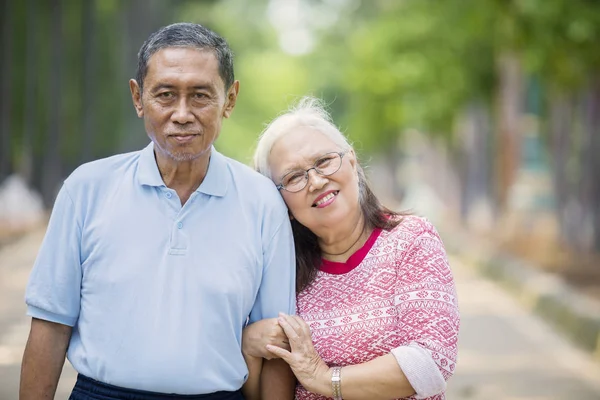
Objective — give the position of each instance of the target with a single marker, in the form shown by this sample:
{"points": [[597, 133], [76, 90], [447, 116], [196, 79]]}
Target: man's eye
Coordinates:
{"points": [[165, 95]]}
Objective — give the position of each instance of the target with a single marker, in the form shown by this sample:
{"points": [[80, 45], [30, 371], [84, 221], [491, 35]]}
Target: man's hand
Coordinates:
{"points": [[258, 335], [43, 359]]}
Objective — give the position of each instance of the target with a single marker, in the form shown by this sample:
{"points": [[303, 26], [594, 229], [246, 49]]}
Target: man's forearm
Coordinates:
{"points": [[43, 360], [277, 380], [251, 388]]}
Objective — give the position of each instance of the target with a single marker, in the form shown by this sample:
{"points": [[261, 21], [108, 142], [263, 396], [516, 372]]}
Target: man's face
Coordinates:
{"points": [[183, 102]]}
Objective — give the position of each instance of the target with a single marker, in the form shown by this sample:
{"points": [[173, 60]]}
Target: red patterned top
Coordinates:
{"points": [[395, 292]]}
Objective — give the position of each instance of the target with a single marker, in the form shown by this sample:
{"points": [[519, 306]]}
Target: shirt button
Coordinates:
{"points": [[180, 225], [168, 194]]}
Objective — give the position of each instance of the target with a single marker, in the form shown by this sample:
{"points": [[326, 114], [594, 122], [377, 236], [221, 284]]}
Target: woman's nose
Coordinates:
{"points": [[315, 180]]}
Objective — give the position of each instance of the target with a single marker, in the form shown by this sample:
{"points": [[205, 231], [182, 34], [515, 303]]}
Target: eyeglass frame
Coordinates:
{"points": [[306, 171]]}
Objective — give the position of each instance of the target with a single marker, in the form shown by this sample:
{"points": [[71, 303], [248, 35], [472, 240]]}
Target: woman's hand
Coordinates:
{"points": [[307, 365], [258, 335]]}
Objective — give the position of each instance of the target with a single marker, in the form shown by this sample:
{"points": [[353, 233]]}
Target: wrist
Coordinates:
{"points": [[248, 339], [250, 357], [322, 384], [244, 343], [251, 360], [336, 383]]}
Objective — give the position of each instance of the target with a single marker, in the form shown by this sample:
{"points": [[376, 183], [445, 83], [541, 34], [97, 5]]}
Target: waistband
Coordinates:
{"points": [[88, 388]]}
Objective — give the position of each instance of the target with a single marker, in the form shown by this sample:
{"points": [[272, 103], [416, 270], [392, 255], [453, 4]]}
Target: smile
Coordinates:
{"points": [[325, 200]]}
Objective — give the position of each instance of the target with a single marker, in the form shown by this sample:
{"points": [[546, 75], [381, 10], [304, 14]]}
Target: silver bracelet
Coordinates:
{"points": [[336, 383]]}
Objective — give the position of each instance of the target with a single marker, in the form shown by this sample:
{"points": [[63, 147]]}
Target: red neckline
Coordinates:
{"points": [[339, 268]]}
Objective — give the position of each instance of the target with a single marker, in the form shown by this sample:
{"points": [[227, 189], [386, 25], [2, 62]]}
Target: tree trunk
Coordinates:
{"points": [[88, 95], [510, 103], [31, 56], [6, 86], [591, 178], [52, 162], [475, 161], [561, 122]]}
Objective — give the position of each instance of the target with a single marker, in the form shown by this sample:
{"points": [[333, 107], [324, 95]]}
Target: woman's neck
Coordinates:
{"points": [[341, 244]]}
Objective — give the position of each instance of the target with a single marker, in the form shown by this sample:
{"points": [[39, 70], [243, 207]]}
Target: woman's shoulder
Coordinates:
{"points": [[410, 229], [412, 224]]}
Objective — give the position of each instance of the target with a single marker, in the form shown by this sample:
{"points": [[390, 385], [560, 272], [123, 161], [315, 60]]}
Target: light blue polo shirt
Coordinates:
{"points": [[158, 293]]}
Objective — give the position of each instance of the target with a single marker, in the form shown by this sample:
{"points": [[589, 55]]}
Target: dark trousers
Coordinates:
{"points": [[90, 389]]}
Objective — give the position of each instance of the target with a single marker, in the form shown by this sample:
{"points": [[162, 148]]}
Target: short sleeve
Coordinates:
{"points": [[54, 287], [277, 291], [425, 299]]}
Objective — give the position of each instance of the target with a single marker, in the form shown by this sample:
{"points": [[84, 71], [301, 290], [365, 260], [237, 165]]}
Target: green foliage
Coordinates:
{"points": [[382, 65]]}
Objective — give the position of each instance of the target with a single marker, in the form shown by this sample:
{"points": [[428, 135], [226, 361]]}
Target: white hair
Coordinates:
{"points": [[308, 112]]}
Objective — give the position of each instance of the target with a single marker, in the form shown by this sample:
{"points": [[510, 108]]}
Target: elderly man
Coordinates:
{"points": [[155, 260]]}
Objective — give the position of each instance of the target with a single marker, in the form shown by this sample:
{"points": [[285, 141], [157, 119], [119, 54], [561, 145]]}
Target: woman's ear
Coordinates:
{"points": [[352, 159]]}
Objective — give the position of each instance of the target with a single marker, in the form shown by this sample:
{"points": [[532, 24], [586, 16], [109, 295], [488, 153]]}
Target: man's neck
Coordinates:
{"points": [[183, 176]]}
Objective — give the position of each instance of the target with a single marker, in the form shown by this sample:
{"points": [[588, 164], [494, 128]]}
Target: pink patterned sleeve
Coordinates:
{"points": [[428, 317]]}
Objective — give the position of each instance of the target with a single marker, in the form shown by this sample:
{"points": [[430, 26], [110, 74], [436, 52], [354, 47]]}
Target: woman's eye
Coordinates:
{"points": [[294, 178], [322, 162]]}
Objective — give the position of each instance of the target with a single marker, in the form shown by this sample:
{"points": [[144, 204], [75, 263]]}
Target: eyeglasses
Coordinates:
{"points": [[325, 165]]}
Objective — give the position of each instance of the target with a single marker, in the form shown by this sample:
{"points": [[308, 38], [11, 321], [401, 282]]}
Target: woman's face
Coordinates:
{"points": [[325, 201]]}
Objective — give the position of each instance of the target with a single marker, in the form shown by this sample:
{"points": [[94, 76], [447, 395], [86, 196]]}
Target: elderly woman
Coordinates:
{"points": [[377, 315]]}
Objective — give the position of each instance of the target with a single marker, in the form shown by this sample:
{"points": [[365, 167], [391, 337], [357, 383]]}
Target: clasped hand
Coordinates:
{"points": [[287, 337], [310, 370], [258, 335]]}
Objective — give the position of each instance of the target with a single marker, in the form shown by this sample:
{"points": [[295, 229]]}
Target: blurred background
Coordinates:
{"points": [[482, 115]]}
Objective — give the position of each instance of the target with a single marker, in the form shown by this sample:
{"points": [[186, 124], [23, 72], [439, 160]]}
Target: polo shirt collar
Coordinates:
{"points": [[215, 182], [217, 177], [148, 173]]}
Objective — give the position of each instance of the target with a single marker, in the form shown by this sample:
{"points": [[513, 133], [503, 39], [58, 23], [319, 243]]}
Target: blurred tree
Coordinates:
{"points": [[6, 105], [54, 93], [457, 70], [25, 167], [89, 87]]}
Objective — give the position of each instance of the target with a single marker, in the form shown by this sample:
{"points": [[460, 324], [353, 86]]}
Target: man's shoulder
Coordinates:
{"points": [[102, 170], [249, 176], [257, 188]]}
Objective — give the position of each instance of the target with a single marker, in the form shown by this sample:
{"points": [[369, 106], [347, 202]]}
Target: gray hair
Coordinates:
{"points": [[184, 34], [308, 112]]}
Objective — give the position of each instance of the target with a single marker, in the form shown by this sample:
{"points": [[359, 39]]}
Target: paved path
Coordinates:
{"points": [[16, 261], [505, 353]]}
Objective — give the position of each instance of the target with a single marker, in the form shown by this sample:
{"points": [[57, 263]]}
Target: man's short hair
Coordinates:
{"points": [[184, 34]]}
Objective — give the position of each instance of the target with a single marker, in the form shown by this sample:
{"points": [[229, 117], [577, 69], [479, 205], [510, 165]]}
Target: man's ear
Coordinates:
{"points": [[136, 96], [232, 95]]}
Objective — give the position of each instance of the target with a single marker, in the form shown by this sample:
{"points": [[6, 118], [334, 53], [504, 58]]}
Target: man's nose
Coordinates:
{"points": [[182, 113], [315, 180]]}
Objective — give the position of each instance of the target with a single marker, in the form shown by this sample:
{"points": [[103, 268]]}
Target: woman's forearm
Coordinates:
{"points": [[380, 378]]}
